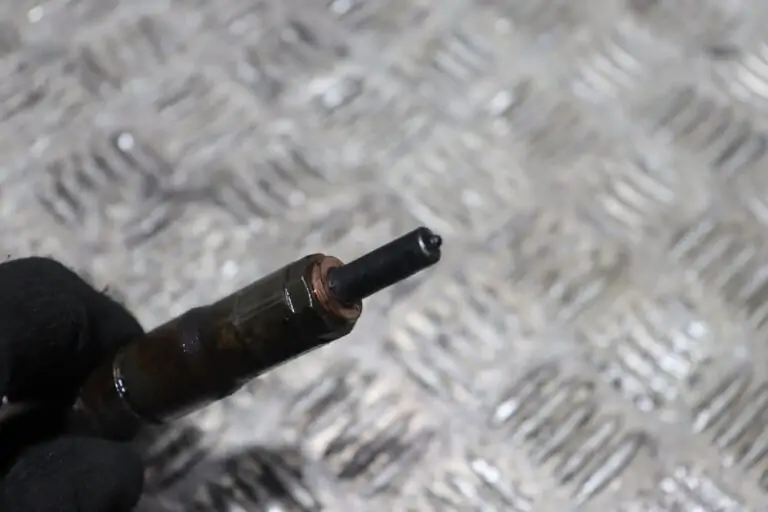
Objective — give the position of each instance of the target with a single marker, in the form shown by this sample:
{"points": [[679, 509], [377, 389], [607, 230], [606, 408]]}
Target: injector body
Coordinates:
{"points": [[211, 351]]}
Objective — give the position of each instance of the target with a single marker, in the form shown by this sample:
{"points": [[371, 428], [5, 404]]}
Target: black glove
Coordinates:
{"points": [[54, 329]]}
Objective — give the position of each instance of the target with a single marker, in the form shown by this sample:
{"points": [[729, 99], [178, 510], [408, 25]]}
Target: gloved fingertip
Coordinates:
{"points": [[74, 475], [54, 328]]}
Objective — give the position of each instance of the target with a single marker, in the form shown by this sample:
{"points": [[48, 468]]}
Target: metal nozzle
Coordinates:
{"points": [[385, 266], [209, 352]]}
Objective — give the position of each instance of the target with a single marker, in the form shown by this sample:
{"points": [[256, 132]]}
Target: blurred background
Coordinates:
{"points": [[595, 337]]}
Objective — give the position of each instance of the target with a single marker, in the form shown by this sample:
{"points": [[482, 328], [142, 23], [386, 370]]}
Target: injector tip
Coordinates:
{"points": [[429, 242], [434, 242], [385, 266]]}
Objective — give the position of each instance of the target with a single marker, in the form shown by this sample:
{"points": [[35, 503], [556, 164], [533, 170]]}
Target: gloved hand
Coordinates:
{"points": [[54, 328]]}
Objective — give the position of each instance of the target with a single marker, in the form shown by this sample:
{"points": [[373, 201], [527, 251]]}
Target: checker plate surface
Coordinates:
{"points": [[595, 338]]}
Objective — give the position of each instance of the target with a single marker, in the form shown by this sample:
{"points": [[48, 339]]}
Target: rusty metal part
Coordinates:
{"points": [[210, 352]]}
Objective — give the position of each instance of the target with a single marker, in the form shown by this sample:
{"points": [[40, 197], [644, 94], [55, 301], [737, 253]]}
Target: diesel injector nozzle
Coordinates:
{"points": [[210, 352]]}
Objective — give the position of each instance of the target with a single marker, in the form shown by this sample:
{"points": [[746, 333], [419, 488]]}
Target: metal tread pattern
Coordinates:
{"points": [[595, 337]]}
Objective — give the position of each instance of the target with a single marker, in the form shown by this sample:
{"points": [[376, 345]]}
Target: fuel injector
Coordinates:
{"points": [[209, 352]]}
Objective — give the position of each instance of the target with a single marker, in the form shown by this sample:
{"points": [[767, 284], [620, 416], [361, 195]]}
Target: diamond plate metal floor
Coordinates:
{"points": [[595, 339]]}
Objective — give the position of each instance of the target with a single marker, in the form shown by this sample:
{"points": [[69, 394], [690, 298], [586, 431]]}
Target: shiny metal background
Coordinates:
{"points": [[594, 339]]}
